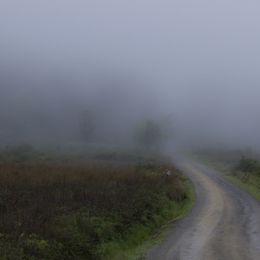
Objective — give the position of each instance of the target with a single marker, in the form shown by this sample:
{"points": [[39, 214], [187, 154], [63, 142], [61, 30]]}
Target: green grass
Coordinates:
{"points": [[246, 181], [144, 237], [252, 186]]}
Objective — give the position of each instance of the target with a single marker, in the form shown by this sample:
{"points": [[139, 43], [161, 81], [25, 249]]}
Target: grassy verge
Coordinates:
{"points": [[252, 186], [153, 234], [248, 181], [86, 209]]}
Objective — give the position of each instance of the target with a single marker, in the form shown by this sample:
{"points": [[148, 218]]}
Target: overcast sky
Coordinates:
{"points": [[201, 58]]}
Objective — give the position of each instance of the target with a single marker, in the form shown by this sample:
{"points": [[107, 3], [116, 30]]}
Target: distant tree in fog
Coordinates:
{"points": [[86, 125], [149, 134]]}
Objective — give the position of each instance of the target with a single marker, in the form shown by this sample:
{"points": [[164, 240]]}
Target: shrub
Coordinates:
{"points": [[248, 165]]}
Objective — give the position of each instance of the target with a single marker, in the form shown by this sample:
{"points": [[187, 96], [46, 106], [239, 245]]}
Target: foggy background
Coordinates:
{"points": [[194, 61]]}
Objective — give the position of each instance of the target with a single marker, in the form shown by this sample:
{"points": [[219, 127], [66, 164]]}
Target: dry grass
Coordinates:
{"points": [[58, 201]]}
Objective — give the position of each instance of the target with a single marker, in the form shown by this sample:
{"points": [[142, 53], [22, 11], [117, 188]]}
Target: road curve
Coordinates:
{"points": [[224, 223]]}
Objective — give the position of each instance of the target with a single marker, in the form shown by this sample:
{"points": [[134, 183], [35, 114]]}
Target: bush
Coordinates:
{"points": [[248, 165]]}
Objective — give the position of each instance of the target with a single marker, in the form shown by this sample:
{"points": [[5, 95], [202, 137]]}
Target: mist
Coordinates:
{"points": [[196, 62]]}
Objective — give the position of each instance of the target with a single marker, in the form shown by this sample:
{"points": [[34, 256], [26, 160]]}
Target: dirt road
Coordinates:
{"points": [[223, 225]]}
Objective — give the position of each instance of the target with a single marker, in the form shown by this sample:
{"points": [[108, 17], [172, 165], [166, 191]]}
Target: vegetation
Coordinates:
{"points": [[248, 165], [149, 134], [86, 125], [236, 167], [68, 209], [247, 174]]}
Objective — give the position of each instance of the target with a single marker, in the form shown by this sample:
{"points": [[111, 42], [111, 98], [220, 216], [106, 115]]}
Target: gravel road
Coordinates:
{"points": [[224, 224]]}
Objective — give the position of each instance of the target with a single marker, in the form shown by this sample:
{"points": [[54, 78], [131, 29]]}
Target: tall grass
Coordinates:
{"points": [[71, 210]]}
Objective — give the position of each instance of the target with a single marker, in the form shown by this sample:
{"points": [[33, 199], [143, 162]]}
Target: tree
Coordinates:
{"points": [[86, 125], [149, 134]]}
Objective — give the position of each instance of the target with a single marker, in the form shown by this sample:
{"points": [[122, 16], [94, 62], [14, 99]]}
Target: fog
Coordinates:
{"points": [[195, 62]]}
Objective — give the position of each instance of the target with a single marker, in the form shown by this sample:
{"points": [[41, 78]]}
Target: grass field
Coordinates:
{"points": [[85, 209]]}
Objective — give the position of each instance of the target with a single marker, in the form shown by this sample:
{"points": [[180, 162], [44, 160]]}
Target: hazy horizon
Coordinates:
{"points": [[194, 61]]}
